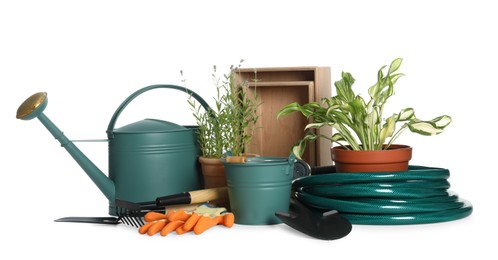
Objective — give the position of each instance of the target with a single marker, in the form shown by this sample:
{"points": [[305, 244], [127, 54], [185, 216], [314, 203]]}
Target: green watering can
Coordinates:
{"points": [[147, 159]]}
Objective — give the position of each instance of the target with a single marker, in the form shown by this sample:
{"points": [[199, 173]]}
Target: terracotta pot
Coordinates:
{"points": [[213, 172], [394, 159]]}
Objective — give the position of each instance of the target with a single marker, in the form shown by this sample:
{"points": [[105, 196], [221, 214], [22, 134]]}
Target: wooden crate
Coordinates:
{"points": [[277, 87]]}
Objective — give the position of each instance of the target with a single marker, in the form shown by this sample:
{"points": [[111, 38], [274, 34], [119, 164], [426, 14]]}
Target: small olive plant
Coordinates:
{"points": [[360, 125], [230, 124]]}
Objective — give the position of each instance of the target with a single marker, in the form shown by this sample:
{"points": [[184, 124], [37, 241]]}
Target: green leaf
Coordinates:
{"points": [[380, 73], [387, 130], [431, 127], [425, 128], [348, 137], [442, 121], [290, 108], [405, 114], [372, 118], [316, 125], [312, 105], [343, 87], [299, 147], [338, 116], [337, 137], [395, 64], [298, 150], [374, 90], [395, 77], [307, 111]]}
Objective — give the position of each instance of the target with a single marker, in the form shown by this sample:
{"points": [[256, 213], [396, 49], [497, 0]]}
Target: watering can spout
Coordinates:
{"points": [[33, 108]]}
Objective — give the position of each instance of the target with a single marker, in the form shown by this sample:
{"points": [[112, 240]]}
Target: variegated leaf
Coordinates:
{"points": [[315, 125], [372, 118], [406, 114], [290, 108], [425, 128], [298, 150], [388, 129], [442, 121], [337, 137]]}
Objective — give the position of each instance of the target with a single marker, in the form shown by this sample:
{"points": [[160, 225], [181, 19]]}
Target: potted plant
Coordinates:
{"points": [[364, 137], [228, 126]]}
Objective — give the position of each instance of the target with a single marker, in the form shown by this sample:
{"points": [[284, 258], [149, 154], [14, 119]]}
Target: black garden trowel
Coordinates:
{"points": [[325, 225]]}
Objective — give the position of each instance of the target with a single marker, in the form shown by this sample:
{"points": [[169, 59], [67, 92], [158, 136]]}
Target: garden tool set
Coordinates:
{"points": [[154, 184], [131, 213]]}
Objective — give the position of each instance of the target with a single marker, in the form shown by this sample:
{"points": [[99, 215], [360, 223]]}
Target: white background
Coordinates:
{"points": [[90, 55]]}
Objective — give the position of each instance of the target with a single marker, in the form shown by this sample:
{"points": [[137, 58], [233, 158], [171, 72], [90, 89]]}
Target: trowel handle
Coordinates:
{"points": [[125, 103], [192, 197]]}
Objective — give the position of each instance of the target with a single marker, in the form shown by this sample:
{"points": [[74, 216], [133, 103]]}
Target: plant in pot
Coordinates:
{"points": [[364, 138], [228, 126]]}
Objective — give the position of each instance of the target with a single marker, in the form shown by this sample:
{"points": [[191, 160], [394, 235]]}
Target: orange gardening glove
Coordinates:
{"points": [[176, 219], [206, 222], [155, 222], [163, 223], [181, 221], [152, 216], [205, 217], [179, 215], [189, 224], [172, 225]]}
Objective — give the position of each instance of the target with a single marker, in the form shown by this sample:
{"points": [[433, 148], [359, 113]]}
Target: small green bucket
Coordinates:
{"points": [[258, 188]]}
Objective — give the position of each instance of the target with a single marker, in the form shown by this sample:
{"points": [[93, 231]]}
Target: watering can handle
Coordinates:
{"points": [[125, 103]]}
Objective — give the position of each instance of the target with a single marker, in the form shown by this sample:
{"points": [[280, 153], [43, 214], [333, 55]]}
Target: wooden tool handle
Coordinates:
{"points": [[206, 195], [192, 197]]}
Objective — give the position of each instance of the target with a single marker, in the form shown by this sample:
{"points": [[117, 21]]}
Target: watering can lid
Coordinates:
{"points": [[150, 126]]}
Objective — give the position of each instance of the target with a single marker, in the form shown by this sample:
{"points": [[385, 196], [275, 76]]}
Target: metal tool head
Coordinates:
{"points": [[129, 213]]}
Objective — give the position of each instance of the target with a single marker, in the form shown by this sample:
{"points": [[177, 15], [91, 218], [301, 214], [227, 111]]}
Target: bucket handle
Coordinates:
{"points": [[125, 103]]}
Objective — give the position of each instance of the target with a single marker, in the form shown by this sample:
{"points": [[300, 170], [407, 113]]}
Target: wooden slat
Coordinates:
{"points": [[277, 87]]}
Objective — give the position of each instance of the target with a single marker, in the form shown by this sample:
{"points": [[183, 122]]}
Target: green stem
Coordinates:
{"points": [[396, 135]]}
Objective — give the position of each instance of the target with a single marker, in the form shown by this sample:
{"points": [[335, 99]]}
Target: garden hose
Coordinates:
{"points": [[419, 195]]}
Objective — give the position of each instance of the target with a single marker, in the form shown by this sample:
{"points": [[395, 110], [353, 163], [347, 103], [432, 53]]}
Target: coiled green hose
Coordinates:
{"points": [[417, 196]]}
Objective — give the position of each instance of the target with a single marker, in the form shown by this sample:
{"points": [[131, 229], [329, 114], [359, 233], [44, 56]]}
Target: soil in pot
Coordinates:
{"points": [[394, 159]]}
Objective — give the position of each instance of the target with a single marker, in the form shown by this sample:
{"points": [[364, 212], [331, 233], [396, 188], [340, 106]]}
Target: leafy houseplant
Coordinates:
{"points": [[228, 126], [360, 125]]}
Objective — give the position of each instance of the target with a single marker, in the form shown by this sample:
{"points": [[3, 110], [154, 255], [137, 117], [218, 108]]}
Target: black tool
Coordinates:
{"points": [[94, 220], [128, 213], [192, 197], [131, 213], [325, 225]]}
